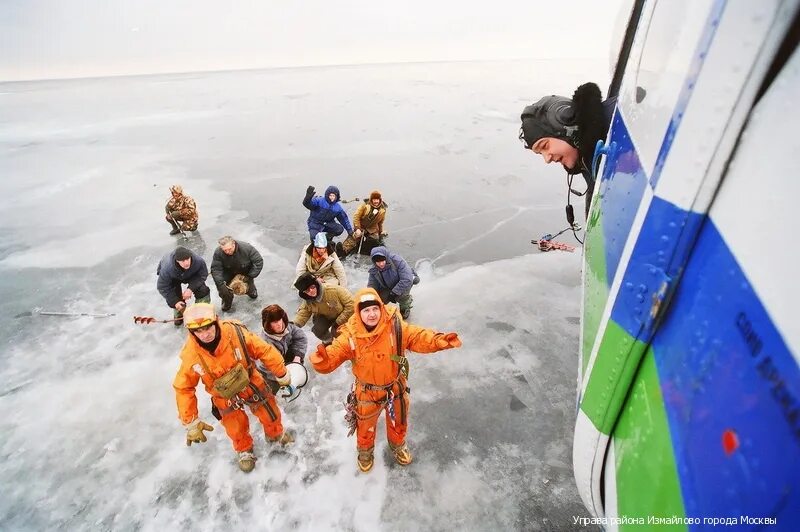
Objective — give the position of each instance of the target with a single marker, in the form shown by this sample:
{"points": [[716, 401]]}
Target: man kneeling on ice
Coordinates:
{"points": [[181, 211], [221, 353], [374, 339]]}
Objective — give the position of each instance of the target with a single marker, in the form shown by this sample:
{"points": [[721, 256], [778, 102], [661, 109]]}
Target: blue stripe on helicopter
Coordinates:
{"points": [[731, 390], [623, 189]]}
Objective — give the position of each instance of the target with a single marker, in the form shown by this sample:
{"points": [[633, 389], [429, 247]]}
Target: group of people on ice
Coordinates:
{"points": [[243, 371]]}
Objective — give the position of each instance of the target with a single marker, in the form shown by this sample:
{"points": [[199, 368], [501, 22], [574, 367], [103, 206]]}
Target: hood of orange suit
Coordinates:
{"points": [[357, 327]]}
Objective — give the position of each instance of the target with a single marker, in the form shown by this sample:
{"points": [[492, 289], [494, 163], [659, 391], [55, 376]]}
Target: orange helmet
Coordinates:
{"points": [[199, 315]]}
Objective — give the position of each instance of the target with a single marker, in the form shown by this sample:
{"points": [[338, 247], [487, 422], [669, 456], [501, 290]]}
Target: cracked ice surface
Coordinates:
{"points": [[89, 437]]}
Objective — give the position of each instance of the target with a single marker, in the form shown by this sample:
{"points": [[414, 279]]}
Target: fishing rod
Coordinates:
{"points": [[177, 225], [64, 314]]}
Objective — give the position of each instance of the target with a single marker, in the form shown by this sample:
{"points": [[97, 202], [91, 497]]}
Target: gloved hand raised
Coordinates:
{"points": [[447, 341], [320, 355], [310, 190], [194, 432]]}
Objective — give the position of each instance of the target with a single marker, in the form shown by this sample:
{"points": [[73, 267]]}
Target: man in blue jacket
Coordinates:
{"points": [[392, 278], [324, 210], [182, 267]]}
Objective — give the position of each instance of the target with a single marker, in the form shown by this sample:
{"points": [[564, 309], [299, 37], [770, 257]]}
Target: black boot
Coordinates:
{"points": [[226, 303], [175, 228], [252, 292]]}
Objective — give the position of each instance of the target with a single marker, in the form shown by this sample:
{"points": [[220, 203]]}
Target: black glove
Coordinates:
{"points": [[310, 191], [392, 297], [225, 292]]}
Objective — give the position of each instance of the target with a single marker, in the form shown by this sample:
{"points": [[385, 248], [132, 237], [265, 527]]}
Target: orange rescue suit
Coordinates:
{"points": [[227, 354], [372, 366]]}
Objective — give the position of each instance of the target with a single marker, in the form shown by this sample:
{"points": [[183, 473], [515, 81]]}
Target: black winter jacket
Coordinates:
{"points": [[245, 260]]}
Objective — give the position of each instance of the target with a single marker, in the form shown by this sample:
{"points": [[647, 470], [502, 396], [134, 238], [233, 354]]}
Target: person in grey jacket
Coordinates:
{"points": [[289, 339], [392, 278], [284, 335], [233, 258]]}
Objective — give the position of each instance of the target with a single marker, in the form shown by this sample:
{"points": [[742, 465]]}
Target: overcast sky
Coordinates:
{"points": [[41, 39]]}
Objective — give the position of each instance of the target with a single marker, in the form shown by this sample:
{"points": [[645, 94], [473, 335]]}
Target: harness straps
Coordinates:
{"points": [[259, 396], [399, 357], [243, 344], [402, 363]]}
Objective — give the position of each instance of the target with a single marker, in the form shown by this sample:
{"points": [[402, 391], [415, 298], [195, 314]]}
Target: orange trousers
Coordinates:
{"points": [[368, 414], [237, 425]]}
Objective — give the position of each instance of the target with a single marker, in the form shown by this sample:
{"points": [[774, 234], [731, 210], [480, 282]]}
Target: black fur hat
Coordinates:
{"points": [[304, 281], [588, 103]]}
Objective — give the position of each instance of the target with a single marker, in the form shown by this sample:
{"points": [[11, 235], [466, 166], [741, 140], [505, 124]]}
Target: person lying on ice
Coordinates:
{"points": [[181, 211], [374, 340], [221, 353], [368, 222], [325, 211], [178, 267], [330, 306]]}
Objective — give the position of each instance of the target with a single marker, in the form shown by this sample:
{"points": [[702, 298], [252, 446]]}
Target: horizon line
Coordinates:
{"points": [[292, 67]]}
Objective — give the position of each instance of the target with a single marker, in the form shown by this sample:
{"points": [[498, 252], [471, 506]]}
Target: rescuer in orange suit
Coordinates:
{"points": [[369, 340], [222, 354]]}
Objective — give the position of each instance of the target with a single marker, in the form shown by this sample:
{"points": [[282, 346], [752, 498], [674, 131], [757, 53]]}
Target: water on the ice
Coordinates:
{"points": [[89, 436]]}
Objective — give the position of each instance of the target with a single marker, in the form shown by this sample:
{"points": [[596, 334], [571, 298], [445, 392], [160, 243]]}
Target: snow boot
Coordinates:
{"points": [[226, 303], [175, 229], [247, 460], [401, 454], [366, 459], [252, 292], [284, 439]]}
